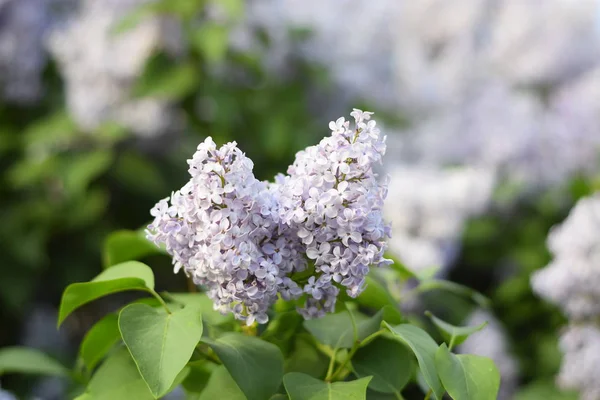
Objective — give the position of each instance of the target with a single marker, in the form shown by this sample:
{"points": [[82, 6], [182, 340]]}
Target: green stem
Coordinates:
{"points": [[398, 395], [329, 376], [354, 326], [160, 300], [208, 353], [451, 344], [428, 395], [372, 336], [357, 345]]}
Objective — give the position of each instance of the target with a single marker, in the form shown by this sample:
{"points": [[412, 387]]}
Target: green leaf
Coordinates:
{"points": [[83, 168], [131, 275], [375, 295], [466, 376], [29, 361], [280, 396], [454, 335], [125, 245], [222, 386], [255, 365], [50, 133], [304, 387], [163, 79], [161, 344], [389, 363], [336, 330], [306, 358], [402, 271], [453, 287], [199, 375], [99, 340], [139, 174], [424, 348], [211, 40], [201, 300], [117, 379]]}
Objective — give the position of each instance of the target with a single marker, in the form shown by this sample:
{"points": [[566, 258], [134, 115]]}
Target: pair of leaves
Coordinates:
{"points": [[465, 377]]}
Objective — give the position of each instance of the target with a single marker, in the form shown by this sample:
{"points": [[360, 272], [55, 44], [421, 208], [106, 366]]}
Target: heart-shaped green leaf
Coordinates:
{"points": [[160, 343], [255, 365], [424, 348], [454, 334], [125, 245], [29, 361], [389, 362], [130, 275], [99, 340], [467, 377], [304, 387], [337, 330]]}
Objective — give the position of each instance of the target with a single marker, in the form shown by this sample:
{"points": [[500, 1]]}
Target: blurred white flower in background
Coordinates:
{"points": [[354, 39], [543, 42], [572, 280], [100, 65], [429, 207], [581, 361], [492, 342]]}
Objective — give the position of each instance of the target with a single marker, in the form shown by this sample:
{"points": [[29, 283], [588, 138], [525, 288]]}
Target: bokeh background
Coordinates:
{"points": [[491, 107]]}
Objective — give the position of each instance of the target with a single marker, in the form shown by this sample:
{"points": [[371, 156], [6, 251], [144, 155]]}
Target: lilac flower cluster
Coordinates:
{"points": [[247, 241], [334, 200]]}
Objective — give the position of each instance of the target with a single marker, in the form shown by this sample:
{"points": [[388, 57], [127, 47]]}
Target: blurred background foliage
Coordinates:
{"points": [[65, 186]]}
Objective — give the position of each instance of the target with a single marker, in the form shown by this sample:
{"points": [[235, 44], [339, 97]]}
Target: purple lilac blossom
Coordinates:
{"points": [[244, 239], [221, 229], [332, 197]]}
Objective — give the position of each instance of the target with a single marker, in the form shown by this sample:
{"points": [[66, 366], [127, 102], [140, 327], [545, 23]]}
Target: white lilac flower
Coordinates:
{"points": [[429, 208], [22, 55], [334, 201], [222, 228], [244, 239], [492, 342], [572, 280], [100, 66], [581, 360]]}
